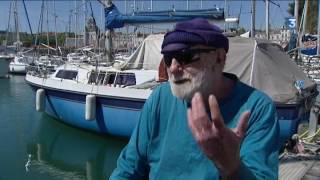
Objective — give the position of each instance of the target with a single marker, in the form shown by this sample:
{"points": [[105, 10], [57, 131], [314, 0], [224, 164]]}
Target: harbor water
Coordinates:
{"points": [[36, 146]]}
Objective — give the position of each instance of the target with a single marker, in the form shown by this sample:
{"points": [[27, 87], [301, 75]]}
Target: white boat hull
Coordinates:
{"points": [[117, 109], [17, 68]]}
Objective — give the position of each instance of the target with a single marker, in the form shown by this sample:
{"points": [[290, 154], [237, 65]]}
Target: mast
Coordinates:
{"points": [[318, 39], [16, 21], [84, 23], [225, 14], [187, 4], [69, 23], [267, 19], [47, 10], [55, 23], [39, 33], [253, 18], [109, 38], [296, 16], [305, 17], [75, 24], [125, 7], [8, 28]]}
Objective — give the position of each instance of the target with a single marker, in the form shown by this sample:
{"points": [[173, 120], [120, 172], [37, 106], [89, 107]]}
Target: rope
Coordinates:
{"points": [[312, 136]]}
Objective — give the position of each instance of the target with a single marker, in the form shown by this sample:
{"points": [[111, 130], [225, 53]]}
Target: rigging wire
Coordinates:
{"points": [[281, 10]]}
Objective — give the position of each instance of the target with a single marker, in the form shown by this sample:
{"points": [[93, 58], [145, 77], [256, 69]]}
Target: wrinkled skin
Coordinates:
{"points": [[219, 143]]}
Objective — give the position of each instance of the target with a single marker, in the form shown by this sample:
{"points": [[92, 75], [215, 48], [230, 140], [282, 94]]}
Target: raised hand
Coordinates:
{"points": [[219, 143]]}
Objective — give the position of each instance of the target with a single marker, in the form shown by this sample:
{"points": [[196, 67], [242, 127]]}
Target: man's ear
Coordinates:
{"points": [[221, 56]]}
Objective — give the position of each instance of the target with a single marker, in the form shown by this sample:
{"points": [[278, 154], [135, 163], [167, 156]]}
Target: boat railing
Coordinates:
{"points": [[42, 71]]}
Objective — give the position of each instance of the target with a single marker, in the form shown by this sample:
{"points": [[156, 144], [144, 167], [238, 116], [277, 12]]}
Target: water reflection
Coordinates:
{"points": [[63, 151]]}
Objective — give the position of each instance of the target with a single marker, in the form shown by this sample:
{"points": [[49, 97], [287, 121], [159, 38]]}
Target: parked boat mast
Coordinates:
{"points": [[55, 23], [47, 11], [8, 28], [16, 20], [84, 3], [253, 18], [318, 39], [267, 19], [75, 24], [296, 16]]}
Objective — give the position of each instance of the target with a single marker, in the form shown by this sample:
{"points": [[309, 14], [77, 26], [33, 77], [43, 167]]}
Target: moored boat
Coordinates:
{"points": [[105, 101], [19, 64], [98, 98]]}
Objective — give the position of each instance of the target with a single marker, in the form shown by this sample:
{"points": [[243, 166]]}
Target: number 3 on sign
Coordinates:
{"points": [[292, 23]]}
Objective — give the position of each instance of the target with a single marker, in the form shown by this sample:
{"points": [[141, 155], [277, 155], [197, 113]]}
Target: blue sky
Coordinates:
{"points": [[63, 7]]}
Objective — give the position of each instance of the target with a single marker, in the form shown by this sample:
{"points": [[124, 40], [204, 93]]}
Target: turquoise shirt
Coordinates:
{"points": [[162, 146]]}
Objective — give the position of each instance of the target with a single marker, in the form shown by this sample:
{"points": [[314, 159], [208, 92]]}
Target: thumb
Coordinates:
{"points": [[243, 124]]}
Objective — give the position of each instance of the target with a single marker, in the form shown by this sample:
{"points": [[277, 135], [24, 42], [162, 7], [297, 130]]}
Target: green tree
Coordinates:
{"points": [[61, 39], [2, 38], [27, 41], [312, 16]]}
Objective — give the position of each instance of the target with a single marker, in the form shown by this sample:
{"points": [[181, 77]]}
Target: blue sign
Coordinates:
{"points": [[290, 23], [299, 84]]}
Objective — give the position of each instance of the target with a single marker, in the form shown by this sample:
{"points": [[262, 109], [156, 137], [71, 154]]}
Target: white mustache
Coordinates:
{"points": [[181, 78]]}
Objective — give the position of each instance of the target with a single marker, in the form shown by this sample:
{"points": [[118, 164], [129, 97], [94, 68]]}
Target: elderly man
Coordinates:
{"points": [[204, 123]]}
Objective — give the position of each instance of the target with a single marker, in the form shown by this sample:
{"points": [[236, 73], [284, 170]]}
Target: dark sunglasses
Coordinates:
{"points": [[184, 57]]}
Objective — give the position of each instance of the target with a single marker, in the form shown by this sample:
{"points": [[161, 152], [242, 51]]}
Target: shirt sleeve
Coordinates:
{"points": [[133, 161], [259, 150]]}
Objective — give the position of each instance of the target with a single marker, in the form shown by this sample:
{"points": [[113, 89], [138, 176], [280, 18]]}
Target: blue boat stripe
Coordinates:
{"points": [[104, 101]]}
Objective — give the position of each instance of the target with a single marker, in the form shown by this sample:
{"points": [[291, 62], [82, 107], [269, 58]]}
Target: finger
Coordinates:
{"points": [[215, 112], [243, 124], [199, 120], [198, 107], [191, 123]]}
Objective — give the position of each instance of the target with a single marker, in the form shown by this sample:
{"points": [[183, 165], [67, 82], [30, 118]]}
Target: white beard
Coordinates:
{"points": [[202, 81]]}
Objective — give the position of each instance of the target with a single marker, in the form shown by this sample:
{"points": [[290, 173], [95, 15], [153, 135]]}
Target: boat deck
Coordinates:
{"points": [[301, 160], [300, 167]]}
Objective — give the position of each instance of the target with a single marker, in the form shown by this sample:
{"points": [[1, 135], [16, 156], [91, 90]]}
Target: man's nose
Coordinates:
{"points": [[175, 66]]}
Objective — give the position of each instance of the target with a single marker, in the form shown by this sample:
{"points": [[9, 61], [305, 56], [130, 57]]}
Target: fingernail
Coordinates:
{"points": [[211, 97], [197, 95]]}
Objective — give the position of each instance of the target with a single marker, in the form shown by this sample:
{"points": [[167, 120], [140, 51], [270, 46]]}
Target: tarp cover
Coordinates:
{"points": [[263, 65], [147, 56], [259, 63]]}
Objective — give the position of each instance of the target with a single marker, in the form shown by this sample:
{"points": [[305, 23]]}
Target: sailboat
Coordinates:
{"points": [[20, 60]]}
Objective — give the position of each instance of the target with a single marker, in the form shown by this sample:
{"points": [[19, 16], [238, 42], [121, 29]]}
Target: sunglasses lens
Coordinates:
{"points": [[167, 59], [185, 57], [182, 58]]}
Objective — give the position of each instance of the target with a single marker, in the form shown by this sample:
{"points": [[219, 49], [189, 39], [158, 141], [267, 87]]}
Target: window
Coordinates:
{"points": [[92, 77], [67, 74], [125, 79], [96, 78], [101, 76], [110, 77]]}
